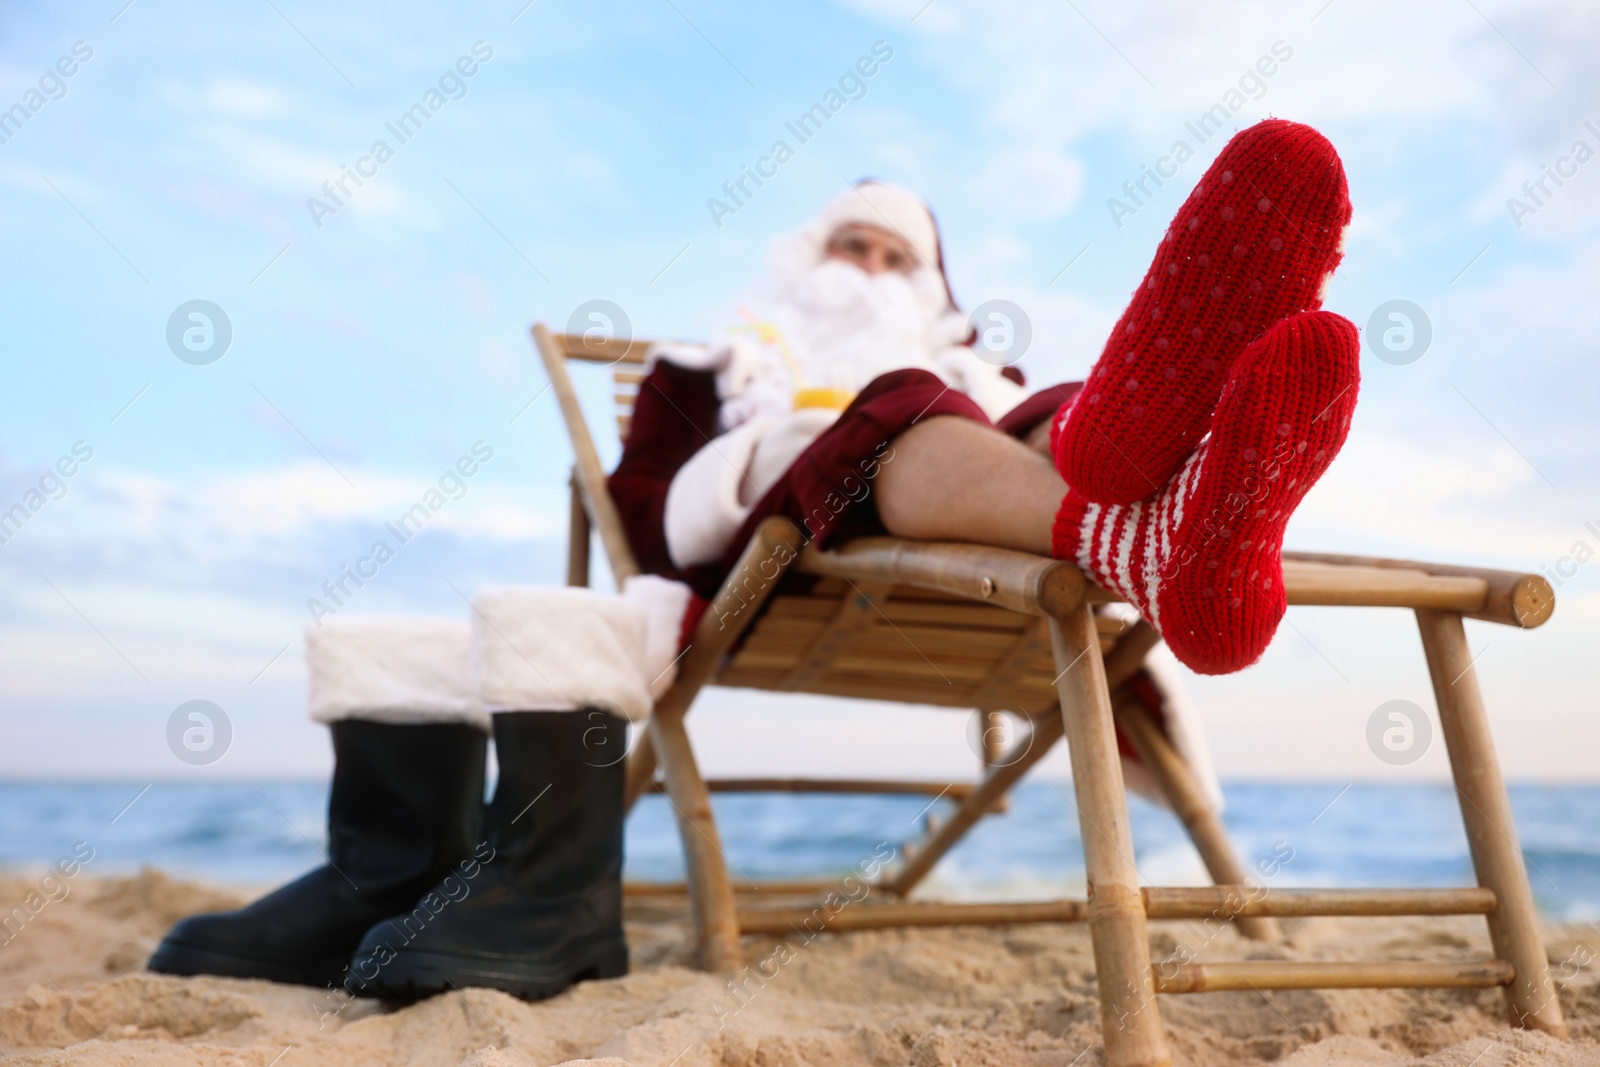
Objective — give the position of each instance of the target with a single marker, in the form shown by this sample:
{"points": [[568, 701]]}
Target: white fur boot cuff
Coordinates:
{"points": [[558, 649], [395, 669]]}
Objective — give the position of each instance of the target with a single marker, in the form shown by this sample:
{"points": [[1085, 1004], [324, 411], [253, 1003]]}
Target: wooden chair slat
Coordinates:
{"points": [[904, 594], [802, 607], [1028, 653], [603, 351], [906, 690], [854, 614], [985, 646], [1013, 665], [963, 617], [869, 686], [903, 608], [791, 630], [878, 665], [884, 642]]}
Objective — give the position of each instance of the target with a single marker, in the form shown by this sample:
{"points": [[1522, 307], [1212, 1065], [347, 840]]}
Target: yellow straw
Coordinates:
{"points": [[769, 334]]}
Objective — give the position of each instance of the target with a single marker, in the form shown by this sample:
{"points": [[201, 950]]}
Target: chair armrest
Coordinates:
{"points": [[1020, 581], [1036, 585], [1512, 598]]}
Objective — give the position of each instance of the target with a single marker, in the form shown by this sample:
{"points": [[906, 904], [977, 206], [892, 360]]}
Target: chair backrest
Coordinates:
{"points": [[626, 360]]}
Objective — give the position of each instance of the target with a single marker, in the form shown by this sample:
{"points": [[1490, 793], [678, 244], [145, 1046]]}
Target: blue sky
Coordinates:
{"points": [[369, 353]]}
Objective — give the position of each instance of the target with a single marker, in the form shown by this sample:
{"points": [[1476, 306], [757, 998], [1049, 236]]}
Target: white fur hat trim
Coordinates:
{"points": [[886, 207], [396, 669]]}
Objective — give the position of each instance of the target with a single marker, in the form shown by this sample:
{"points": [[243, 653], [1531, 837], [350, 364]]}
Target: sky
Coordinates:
{"points": [[376, 334]]}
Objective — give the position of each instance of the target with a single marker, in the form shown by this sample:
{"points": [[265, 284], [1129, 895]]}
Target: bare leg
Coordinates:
{"points": [[952, 479], [1039, 438]]}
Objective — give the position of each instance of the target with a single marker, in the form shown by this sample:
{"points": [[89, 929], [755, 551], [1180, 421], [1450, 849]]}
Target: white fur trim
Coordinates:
{"points": [[781, 444], [664, 603], [540, 648], [395, 669], [687, 354], [712, 494], [887, 207], [703, 511]]}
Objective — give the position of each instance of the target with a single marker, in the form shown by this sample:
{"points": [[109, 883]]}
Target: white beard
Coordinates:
{"points": [[840, 328], [845, 327], [809, 323]]}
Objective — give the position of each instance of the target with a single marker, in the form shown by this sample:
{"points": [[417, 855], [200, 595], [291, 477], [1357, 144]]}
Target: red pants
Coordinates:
{"points": [[826, 492]]}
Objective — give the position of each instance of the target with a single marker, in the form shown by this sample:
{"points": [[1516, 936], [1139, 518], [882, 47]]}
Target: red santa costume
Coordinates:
{"points": [[718, 444], [718, 441], [1223, 394]]}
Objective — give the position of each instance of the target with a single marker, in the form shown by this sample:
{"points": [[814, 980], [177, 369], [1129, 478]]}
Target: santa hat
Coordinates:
{"points": [[884, 206], [877, 203]]}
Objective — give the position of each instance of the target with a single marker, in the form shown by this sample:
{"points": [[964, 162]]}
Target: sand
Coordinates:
{"points": [[73, 990]]}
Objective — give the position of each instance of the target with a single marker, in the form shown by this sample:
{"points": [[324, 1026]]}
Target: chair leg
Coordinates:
{"points": [[1491, 833], [991, 739], [1173, 775], [770, 552], [577, 535], [711, 901], [1130, 1023]]}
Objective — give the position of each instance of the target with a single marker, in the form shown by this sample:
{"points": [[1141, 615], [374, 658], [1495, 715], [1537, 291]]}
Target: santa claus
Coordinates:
{"points": [[857, 294], [845, 397]]}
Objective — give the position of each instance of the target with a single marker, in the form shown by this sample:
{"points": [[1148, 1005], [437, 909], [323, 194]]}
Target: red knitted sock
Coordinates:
{"points": [[1202, 559], [1250, 246]]}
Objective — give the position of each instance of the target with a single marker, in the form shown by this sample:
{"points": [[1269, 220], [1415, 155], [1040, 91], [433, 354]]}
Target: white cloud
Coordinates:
{"points": [[134, 592], [223, 533], [246, 511], [265, 160], [1448, 499], [233, 96], [1036, 182]]}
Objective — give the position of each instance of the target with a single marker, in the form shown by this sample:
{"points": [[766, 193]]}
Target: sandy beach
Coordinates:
{"points": [[73, 990]]}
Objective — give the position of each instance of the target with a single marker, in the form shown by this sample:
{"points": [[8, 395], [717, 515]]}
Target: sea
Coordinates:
{"points": [[1327, 834]]}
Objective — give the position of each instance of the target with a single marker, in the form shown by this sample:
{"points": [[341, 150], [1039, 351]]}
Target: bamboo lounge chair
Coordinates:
{"points": [[984, 628]]}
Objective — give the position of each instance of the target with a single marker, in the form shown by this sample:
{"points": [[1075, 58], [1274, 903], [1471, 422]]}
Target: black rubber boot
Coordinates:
{"points": [[405, 809], [545, 910]]}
